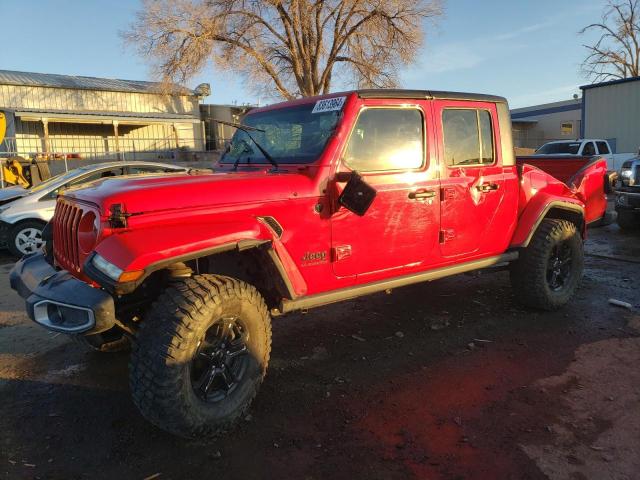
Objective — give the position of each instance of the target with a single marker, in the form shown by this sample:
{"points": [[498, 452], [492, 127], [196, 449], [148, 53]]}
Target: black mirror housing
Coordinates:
{"points": [[357, 195]]}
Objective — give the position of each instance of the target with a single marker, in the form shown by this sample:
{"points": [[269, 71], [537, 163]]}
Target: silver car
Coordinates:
{"points": [[24, 213]]}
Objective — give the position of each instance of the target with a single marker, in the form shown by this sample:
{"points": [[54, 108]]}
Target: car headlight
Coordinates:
{"points": [[109, 269], [625, 176], [622, 200]]}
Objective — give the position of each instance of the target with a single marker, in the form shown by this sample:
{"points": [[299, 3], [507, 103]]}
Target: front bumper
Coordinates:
{"points": [[4, 233], [58, 301], [628, 201]]}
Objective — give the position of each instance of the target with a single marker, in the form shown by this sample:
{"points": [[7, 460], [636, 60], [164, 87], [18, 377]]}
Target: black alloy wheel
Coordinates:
{"points": [[220, 361], [559, 267]]}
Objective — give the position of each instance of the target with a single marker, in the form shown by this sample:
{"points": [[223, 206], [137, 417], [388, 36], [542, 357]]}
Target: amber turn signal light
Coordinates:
{"points": [[131, 276]]}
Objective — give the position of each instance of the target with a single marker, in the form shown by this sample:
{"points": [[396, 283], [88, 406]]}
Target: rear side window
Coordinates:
{"points": [[468, 137], [602, 148], [386, 139], [589, 149]]}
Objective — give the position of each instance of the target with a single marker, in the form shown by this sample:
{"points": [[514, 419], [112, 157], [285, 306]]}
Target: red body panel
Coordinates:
{"points": [[584, 175], [324, 247]]}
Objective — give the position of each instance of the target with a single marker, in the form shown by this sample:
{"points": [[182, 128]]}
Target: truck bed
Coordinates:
{"points": [[561, 167], [586, 177]]}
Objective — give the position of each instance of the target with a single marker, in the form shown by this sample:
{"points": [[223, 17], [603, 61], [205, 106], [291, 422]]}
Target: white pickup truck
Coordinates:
{"points": [[585, 147]]}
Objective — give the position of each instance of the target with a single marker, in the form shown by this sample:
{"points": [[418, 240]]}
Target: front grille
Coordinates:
{"points": [[65, 235], [635, 178]]}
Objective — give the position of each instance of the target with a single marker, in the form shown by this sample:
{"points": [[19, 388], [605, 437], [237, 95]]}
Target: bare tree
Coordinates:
{"points": [[294, 47], [616, 54]]}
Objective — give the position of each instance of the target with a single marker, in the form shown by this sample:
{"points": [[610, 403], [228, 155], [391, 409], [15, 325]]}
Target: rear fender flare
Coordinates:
{"points": [[533, 216]]}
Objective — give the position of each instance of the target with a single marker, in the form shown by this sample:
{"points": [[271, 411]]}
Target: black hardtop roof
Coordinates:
{"points": [[428, 94]]}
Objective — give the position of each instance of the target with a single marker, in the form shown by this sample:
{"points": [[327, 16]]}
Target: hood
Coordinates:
{"points": [[9, 194], [147, 194]]}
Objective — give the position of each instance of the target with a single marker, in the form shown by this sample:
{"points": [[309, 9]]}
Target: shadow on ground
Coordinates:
{"points": [[438, 380]]}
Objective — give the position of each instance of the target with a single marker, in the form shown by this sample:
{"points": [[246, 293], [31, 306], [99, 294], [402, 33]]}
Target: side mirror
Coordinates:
{"points": [[357, 195]]}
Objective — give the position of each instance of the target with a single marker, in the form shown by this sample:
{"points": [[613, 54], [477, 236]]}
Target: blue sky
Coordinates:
{"points": [[528, 51]]}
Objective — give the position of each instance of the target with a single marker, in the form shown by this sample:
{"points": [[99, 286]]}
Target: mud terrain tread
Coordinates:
{"points": [[528, 273], [164, 340]]}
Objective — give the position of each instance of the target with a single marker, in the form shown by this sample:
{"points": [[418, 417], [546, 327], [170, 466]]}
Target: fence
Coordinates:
{"points": [[63, 153], [93, 147]]}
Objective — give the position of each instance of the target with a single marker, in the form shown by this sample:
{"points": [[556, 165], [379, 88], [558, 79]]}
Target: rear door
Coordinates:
{"points": [[473, 183]]}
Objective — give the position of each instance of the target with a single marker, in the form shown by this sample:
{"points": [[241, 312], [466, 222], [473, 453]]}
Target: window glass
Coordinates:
{"points": [[566, 128], [386, 139], [296, 134], [555, 148], [112, 172], [602, 148], [589, 149], [133, 170], [486, 136], [468, 137]]}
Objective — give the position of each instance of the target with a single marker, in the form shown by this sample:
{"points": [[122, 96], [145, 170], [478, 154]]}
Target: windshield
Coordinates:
{"points": [[291, 135], [60, 177], [559, 148]]}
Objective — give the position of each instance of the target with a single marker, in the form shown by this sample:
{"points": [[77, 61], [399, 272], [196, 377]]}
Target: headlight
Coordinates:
{"points": [[109, 269], [625, 176], [113, 272], [622, 200]]}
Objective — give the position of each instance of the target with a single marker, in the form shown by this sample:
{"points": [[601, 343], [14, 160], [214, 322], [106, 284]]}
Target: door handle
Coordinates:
{"points": [[422, 194], [487, 187]]}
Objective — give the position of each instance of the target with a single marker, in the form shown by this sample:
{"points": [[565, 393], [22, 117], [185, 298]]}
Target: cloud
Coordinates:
{"points": [[524, 30], [450, 57]]}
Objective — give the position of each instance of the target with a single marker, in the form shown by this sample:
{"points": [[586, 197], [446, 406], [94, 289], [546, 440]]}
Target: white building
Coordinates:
{"points": [[611, 110], [86, 117]]}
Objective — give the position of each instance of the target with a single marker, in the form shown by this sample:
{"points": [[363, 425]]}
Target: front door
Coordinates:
{"points": [[472, 178], [388, 147]]}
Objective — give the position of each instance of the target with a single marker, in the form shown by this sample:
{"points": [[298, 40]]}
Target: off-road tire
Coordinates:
{"points": [[529, 272], [16, 229], [167, 342], [628, 221]]}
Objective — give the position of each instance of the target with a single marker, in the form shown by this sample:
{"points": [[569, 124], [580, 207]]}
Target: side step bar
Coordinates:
{"points": [[318, 299]]}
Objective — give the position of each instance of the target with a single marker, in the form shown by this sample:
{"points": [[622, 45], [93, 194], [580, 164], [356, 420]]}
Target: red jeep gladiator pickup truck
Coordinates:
{"points": [[317, 200]]}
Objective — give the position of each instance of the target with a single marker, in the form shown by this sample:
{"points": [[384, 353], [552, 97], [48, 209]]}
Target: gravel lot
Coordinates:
{"points": [[446, 380]]}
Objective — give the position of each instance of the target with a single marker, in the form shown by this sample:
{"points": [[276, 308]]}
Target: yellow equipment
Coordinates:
{"points": [[3, 126], [19, 170]]}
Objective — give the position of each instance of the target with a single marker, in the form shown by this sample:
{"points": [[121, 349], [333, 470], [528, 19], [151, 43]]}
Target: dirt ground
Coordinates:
{"points": [[446, 380]]}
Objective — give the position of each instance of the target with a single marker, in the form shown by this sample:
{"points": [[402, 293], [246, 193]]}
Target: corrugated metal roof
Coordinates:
{"points": [[66, 115], [610, 82], [10, 77]]}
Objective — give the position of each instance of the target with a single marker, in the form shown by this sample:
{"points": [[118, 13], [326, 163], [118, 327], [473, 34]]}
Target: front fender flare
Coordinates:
{"points": [[154, 248]]}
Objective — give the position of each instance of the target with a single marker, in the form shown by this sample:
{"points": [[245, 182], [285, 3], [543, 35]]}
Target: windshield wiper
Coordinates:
{"points": [[247, 129]]}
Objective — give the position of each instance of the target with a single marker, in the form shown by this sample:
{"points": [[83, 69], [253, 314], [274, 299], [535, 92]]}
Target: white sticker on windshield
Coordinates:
{"points": [[329, 105]]}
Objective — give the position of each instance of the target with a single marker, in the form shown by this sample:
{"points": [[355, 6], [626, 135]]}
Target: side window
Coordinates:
{"points": [[112, 172], [386, 139], [602, 148], [589, 149], [133, 170], [468, 137]]}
